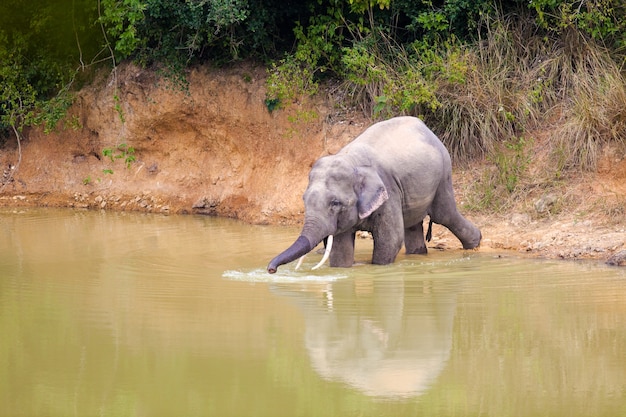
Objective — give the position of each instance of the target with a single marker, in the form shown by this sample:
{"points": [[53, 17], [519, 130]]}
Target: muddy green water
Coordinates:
{"points": [[114, 314]]}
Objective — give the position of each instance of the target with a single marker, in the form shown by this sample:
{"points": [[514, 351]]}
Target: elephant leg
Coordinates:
{"points": [[444, 211], [414, 239], [388, 233], [342, 253], [386, 248]]}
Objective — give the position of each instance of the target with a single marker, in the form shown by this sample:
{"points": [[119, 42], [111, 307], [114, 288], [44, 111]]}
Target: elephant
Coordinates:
{"points": [[386, 181], [388, 339]]}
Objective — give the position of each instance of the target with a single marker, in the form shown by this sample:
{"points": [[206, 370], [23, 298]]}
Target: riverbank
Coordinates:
{"points": [[136, 143]]}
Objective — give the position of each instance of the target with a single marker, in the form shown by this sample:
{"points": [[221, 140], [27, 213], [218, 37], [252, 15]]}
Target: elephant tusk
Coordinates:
{"points": [[329, 246], [299, 264]]}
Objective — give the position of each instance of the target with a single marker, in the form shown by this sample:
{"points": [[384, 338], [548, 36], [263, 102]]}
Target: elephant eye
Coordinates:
{"points": [[335, 203]]}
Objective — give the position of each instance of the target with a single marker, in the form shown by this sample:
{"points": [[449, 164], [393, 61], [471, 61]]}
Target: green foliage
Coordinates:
{"points": [[481, 73], [121, 18], [174, 33], [388, 79], [316, 54], [603, 20], [287, 81], [498, 185], [118, 107], [490, 92], [511, 162], [298, 120], [17, 96], [434, 21], [360, 6], [382, 72], [42, 45], [121, 151], [272, 104], [49, 112], [592, 109]]}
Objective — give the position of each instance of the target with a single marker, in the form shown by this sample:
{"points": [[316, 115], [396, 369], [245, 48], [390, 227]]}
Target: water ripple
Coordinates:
{"points": [[285, 276]]}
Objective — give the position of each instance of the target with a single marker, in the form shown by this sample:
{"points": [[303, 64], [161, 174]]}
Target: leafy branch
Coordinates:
{"points": [[121, 151]]}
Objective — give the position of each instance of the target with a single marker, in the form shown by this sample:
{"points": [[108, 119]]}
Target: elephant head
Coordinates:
{"points": [[340, 194]]}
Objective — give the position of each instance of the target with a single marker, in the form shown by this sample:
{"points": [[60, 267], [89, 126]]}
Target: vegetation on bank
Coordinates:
{"points": [[486, 76]]}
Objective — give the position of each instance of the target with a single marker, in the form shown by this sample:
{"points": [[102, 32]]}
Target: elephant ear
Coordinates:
{"points": [[370, 190]]}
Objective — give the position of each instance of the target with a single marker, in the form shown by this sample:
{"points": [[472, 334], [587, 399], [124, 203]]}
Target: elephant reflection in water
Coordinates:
{"points": [[384, 338]]}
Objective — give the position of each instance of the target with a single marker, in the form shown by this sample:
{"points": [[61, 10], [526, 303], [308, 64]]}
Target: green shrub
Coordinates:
{"points": [[482, 74], [383, 79], [287, 81], [602, 20], [42, 46]]}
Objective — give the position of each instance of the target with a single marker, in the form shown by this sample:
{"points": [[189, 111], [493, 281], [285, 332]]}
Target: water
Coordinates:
{"points": [[117, 314]]}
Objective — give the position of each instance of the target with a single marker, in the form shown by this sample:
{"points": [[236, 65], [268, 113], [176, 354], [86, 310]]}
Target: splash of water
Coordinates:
{"points": [[284, 276]]}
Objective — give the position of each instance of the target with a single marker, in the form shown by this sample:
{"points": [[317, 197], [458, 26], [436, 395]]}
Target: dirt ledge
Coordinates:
{"points": [[215, 149]]}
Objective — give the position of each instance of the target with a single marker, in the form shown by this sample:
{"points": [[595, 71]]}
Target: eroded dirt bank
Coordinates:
{"points": [[215, 149]]}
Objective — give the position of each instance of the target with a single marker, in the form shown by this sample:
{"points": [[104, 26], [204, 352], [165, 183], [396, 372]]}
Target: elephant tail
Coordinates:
{"points": [[429, 233]]}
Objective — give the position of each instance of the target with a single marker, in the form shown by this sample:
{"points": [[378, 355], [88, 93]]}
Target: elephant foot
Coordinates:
{"points": [[474, 242], [341, 265], [418, 251]]}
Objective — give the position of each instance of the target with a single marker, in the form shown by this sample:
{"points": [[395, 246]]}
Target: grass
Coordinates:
{"points": [[566, 96], [535, 104], [593, 110], [521, 84]]}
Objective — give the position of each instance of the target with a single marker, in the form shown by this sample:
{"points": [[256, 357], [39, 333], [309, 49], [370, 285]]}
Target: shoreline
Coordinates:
{"points": [[560, 237]]}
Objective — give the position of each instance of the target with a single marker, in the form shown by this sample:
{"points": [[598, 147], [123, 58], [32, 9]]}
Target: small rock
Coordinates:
{"points": [[361, 234], [205, 203], [153, 169], [617, 259], [544, 203], [202, 203], [519, 220]]}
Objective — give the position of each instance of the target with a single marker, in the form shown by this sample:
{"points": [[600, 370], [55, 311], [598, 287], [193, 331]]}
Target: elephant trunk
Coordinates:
{"points": [[300, 247]]}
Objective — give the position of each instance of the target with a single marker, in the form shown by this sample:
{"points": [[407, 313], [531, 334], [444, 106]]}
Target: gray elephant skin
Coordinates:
{"points": [[385, 182]]}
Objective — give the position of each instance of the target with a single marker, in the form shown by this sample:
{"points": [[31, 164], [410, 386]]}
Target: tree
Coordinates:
{"points": [[42, 45]]}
